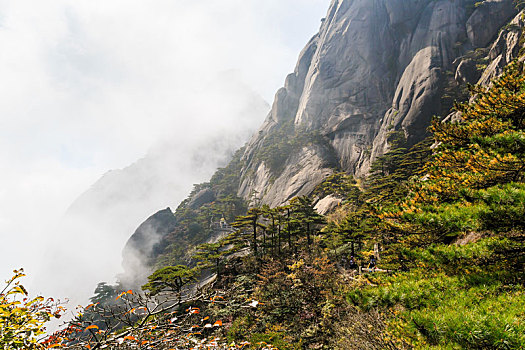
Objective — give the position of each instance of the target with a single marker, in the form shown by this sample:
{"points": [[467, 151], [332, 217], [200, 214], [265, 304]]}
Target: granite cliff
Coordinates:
{"points": [[375, 66]]}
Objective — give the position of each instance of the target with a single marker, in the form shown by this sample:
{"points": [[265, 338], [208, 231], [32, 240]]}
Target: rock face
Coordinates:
{"points": [[151, 232], [505, 48], [302, 172], [202, 197], [376, 66], [488, 18], [140, 248], [327, 204]]}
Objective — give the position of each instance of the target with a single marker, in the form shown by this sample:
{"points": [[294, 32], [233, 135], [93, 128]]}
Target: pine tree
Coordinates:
{"points": [[305, 215], [486, 147], [170, 278], [212, 255], [250, 223]]}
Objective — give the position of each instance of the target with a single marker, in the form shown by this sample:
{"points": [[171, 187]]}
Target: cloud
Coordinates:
{"points": [[89, 86]]}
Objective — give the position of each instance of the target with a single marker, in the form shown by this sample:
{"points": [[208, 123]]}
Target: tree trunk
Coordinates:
{"points": [[279, 239], [308, 233], [254, 236]]}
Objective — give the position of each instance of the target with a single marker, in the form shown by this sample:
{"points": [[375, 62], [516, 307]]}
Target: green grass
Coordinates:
{"points": [[435, 306]]}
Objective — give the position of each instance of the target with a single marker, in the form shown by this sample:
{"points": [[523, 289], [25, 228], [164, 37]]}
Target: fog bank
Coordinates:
{"points": [[92, 86]]}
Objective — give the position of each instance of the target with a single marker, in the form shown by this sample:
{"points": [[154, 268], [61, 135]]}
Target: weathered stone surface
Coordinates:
{"points": [[151, 231], [202, 197], [415, 102], [302, 172], [327, 204], [505, 48], [376, 66], [487, 20], [467, 72], [140, 248]]}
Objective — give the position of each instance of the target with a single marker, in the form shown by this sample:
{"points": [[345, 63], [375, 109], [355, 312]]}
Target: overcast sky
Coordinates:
{"points": [[88, 85]]}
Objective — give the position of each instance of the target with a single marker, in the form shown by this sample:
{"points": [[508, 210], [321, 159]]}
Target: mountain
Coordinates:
{"points": [[375, 69], [421, 241], [121, 198], [376, 66], [101, 219]]}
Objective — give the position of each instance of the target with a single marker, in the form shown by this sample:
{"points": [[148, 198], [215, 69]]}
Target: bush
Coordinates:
{"points": [[23, 319]]}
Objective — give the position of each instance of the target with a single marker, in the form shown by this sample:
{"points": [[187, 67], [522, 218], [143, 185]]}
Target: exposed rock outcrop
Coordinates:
{"points": [[202, 197], [140, 248], [376, 66], [302, 172], [505, 48], [327, 204], [466, 71], [487, 19]]}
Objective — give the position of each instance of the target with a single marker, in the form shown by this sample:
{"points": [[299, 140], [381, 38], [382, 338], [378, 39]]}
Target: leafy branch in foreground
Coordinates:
{"points": [[168, 320], [23, 319]]}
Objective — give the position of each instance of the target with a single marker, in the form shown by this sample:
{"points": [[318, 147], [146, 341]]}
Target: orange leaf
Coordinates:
{"points": [[121, 294], [93, 326], [217, 324]]}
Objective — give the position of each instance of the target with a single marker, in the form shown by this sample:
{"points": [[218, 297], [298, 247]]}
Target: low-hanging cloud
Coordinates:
{"points": [[89, 86], [97, 225]]}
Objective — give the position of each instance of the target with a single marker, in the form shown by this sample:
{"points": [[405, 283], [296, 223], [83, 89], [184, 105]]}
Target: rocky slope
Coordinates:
{"points": [[140, 249], [374, 67]]}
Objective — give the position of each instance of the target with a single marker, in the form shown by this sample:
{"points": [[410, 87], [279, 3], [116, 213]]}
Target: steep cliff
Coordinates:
{"points": [[376, 66], [142, 245]]}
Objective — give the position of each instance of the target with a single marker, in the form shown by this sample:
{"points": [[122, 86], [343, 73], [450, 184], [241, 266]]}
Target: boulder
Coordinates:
{"points": [[327, 204], [488, 18], [202, 197]]}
